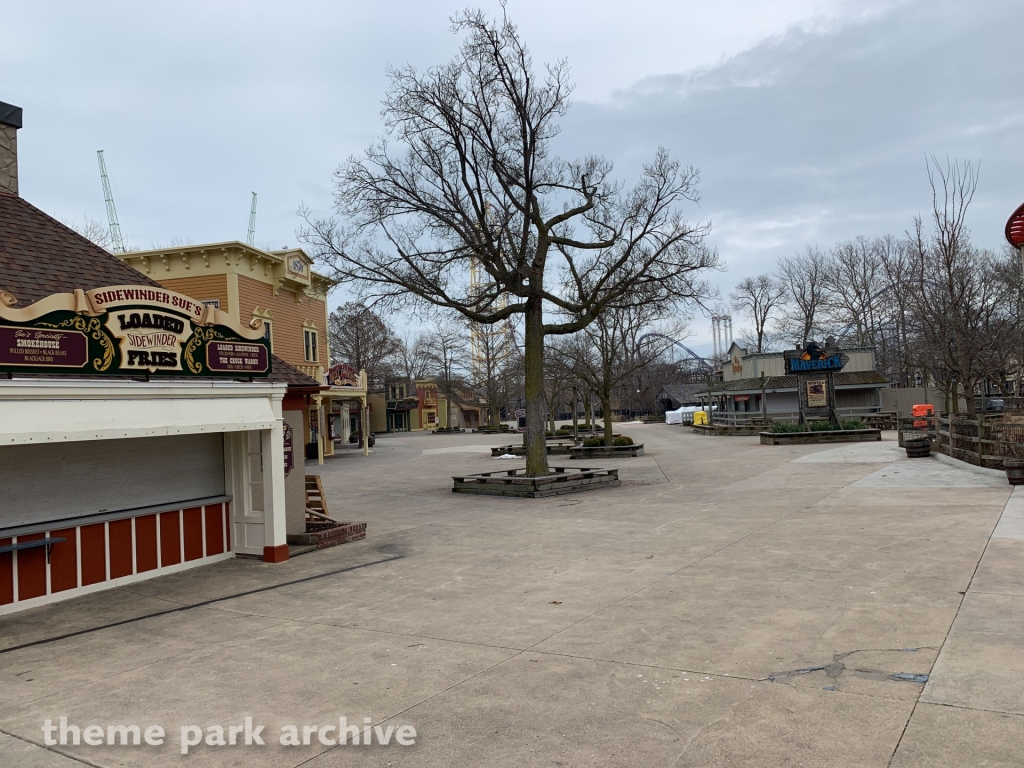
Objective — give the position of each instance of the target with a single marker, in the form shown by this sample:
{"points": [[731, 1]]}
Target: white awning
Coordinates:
{"points": [[52, 413]]}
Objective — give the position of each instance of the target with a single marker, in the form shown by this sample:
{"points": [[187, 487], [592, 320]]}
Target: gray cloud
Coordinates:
{"points": [[815, 133], [820, 135]]}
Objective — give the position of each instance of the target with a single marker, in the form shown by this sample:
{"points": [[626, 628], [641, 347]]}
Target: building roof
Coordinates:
{"points": [[39, 256], [681, 393], [775, 383], [286, 373]]}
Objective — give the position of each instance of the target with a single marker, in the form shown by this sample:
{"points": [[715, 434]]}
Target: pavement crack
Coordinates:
{"points": [[835, 669], [46, 748]]}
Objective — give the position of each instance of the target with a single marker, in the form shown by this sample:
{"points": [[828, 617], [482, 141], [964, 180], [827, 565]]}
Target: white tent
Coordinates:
{"points": [[676, 416]]}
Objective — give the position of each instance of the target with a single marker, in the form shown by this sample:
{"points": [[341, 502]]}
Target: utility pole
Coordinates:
{"points": [[250, 238], [117, 243]]}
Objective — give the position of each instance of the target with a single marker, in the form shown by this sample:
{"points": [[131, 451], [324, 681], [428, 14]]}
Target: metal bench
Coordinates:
{"points": [[48, 543]]}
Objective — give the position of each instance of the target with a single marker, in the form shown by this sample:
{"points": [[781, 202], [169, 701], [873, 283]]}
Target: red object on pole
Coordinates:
{"points": [[1015, 228]]}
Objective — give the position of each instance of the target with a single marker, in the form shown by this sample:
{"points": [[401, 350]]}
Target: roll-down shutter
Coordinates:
{"points": [[56, 481]]}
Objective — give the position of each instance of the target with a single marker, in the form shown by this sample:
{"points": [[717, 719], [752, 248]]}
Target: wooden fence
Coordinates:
{"points": [[984, 440]]}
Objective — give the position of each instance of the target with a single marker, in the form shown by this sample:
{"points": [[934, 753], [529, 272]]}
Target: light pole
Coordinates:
{"points": [[575, 419]]}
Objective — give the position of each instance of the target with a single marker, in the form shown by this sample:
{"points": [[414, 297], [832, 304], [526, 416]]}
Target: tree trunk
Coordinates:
{"points": [[606, 406], [533, 381]]}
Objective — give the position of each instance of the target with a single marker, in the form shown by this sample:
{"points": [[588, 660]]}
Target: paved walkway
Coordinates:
{"points": [[731, 605]]}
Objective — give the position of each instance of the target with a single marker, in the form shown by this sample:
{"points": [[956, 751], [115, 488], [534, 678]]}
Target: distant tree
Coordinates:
{"points": [[91, 229], [444, 355], [609, 353], [409, 360], [855, 285], [496, 365], [803, 276], [471, 178], [759, 297], [958, 305], [361, 338]]}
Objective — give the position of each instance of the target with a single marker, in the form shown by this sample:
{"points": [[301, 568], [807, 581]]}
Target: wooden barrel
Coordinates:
{"points": [[918, 445], [1014, 471]]}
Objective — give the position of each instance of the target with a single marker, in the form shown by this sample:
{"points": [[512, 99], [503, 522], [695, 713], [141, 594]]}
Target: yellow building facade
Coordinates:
{"points": [[281, 289]]}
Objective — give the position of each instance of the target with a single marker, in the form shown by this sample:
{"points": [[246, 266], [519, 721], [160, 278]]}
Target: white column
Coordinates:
{"points": [[273, 484]]}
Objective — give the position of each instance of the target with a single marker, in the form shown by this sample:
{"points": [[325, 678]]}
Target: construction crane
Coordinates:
{"points": [[250, 238], [117, 243]]}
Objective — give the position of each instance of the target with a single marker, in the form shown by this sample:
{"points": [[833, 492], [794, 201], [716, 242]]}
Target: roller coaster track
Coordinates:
{"points": [[701, 360]]}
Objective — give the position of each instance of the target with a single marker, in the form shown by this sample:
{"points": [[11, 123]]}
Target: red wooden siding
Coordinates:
{"points": [[6, 574], [64, 561], [31, 569], [145, 543], [170, 539], [120, 532], [94, 554], [193, 518], [99, 552], [214, 529]]}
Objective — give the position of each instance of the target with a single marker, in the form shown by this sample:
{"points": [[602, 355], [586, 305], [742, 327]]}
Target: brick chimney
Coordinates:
{"points": [[10, 122]]}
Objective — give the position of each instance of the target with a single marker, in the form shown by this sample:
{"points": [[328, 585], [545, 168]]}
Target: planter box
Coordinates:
{"points": [[558, 481], [326, 534], [606, 451], [520, 450], [717, 429], [830, 436]]}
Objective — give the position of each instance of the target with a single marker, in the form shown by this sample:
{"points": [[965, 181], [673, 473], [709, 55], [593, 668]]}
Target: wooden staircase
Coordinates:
{"points": [[321, 529], [315, 498]]}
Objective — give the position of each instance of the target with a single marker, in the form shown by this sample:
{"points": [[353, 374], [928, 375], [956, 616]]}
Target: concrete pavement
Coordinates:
{"points": [[730, 605]]}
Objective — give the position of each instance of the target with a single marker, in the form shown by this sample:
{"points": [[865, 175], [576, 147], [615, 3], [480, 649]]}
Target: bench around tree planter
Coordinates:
{"points": [[606, 451], [559, 449], [825, 436], [558, 481]]}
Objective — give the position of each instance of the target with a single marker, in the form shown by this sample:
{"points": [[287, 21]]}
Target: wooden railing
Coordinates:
{"points": [[315, 372], [984, 440], [741, 418]]}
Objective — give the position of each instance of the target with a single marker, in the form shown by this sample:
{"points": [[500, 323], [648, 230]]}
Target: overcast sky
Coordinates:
{"points": [[809, 119]]}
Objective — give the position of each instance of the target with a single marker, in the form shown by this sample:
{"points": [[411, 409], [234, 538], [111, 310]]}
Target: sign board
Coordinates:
{"points": [[343, 375], [129, 330], [815, 359], [817, 393], [289, 454], [813, 366]]}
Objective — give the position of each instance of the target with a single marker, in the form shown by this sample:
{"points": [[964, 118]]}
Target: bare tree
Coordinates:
{"points": [[759, 297], [804, 278], [609, 352], [475, 180], [444, 349], [91, 229], [958, 305], [496, 365], [409, 360], [854, 282], [361, 338], [896, 271]]}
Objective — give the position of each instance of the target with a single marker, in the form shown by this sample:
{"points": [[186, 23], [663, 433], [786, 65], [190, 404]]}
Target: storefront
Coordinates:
{"points": [[128, 448]]}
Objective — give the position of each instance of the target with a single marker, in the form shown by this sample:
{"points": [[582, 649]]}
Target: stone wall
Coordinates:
{"points": [[8, 159]]}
